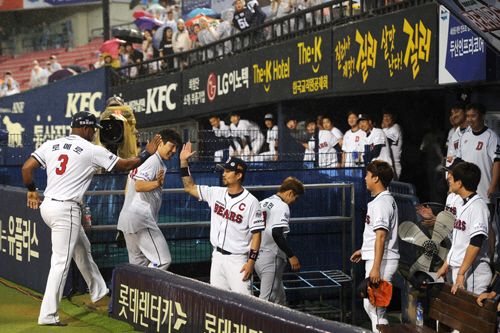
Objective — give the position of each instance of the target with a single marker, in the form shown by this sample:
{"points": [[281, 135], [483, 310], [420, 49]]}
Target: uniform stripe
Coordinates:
{"points": [[38, 159], [156, 249]]}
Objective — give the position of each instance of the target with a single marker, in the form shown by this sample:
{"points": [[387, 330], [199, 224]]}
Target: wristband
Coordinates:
{"points": [[144, 156], [31, 187], [460, 274], [185, 172], [253, 254]]}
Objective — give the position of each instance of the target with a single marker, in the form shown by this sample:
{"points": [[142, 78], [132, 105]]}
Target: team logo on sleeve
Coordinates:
{"points": [[367, 221], [287, 216], [258, 214]]}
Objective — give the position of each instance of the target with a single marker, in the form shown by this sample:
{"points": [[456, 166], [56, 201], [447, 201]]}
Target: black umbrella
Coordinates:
{"points": [[129, 35], [77, 68], [134, 3], [61, 74]]}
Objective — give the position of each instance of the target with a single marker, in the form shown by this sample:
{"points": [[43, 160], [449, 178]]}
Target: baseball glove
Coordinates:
{"points": [[381, 294], [120, 240]]}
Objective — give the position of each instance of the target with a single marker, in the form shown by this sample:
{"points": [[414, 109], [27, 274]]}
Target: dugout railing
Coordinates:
{"points": [[191, 238]]}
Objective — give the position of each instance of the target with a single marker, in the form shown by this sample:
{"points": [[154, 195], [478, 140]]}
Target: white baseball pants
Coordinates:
{"points": [[225, 272], [147, 247], [269, 268], [477, 278]]}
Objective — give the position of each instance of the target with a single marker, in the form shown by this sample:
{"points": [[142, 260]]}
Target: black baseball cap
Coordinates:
{"points": [[362, 289], [450, 167], [362, 116], [84, 118], [234, 164]]}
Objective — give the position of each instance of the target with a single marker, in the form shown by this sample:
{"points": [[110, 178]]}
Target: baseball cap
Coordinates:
{"points": [[362, 116], [8, 73], [450, 167], [52, 57], [269, 116], [362, 289], [84, 118], [423, 281], [234, 164]]}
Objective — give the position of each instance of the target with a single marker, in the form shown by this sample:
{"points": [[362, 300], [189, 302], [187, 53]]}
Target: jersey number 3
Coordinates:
{"points": [[62, 167]]}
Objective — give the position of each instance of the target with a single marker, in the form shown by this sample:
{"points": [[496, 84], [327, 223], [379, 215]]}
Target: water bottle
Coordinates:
{"points": [[88, 217], [420, 315], [155, 265]]}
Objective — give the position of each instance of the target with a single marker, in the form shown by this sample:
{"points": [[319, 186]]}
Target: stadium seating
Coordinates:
{"points": [[21, 66]]}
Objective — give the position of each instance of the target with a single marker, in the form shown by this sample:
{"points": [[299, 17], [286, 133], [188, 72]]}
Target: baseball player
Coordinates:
{"points": [[468, 257], [394, 134], [70, 163], [353, 145], [146, 244], [221, 130], [236, 223], [458, 120], [376, 139], [274, 248], [247, 131], [328, 125], [271, 139], [380, 247], [328, 147]]}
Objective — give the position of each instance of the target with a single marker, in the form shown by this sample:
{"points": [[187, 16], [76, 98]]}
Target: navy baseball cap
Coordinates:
{"points": [[84, 118], [362, 116], [362, 289], [234, 164]]}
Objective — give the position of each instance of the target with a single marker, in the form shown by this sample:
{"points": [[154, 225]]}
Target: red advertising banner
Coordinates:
{"points": [[11, 4]]}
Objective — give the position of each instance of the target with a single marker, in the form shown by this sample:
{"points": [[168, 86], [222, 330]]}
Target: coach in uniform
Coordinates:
{"points": [[274, 248], [380, 247], [353, 145], [146, 244], [236, 223], [376, 139], [70, 163]]}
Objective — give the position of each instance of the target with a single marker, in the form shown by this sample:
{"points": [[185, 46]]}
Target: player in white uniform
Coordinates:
{"points": [[353, 145], [458, 120], [271, 139], [236, 224], [380, 247], [249, 132], [394, 134], [469, 254], [274, 248], [70, 163], [146, 244], [376, 139], [221, 130], [328, 147], [328, 125]]}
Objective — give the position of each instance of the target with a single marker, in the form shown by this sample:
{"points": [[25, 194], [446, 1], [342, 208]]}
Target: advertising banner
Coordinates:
{"points": [[483, 16], [48, 3], [153, 101], [462, 52], [153, 300], [391, 52], [11, 4], [296, 69]]}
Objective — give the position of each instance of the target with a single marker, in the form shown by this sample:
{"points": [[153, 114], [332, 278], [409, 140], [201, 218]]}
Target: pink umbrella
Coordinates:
{"points": [[147, 23], [141, 13], [111, 47]]}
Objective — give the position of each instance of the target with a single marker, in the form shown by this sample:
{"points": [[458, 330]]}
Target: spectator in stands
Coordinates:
{"points": [[271, 139], [328, 125], [54, 65], [148, 51], [177, 12], [169, 22], [181, 41], [124, 60], [222, 131], [9, 86], [45, 74], [36, 75], [100, 61], [249, 133], [297, 133], [328, 147], [256, 17], [226, 29], [375, 138], [134, 56], [195, 42], [353, 144], [166, 49], [394, 134], [207, 36], [280, 8]]}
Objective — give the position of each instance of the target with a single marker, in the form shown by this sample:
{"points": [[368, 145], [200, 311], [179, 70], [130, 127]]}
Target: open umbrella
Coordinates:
{"points": [[129, 35], [156, 8], [199, 11], [111, 47], [147, 23], [77, 68], [141, 13], [61, 74], [159, 35], [196, 20]]}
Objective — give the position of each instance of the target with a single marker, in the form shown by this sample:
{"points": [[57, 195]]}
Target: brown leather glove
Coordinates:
{"points": [[381, 294]]}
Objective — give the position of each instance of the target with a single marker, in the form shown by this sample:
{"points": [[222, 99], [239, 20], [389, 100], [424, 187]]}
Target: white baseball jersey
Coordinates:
{"points": [[70, 164], [140, 209], [453, 203], [222, 131], [276, 215], [449, 144], [471, 220], [377, 137], [246, 128], [382, 214], [272, 136], [327, 154], [353, 145], [395, 133], [338, 133], [481, 148], [232, 220], [455, 142]]}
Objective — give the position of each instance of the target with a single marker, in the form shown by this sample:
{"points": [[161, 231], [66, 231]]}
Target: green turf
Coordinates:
{"points": [[19, 313]]}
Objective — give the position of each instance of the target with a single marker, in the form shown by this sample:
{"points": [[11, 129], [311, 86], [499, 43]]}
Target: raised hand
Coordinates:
{"points": [[152, 146], [186, 152]]}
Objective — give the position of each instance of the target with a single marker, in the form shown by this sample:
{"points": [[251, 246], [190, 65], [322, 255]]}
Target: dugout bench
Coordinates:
{"points": [[459, 311]]}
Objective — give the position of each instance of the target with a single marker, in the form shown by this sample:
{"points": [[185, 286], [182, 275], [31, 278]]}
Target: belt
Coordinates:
{"points": [[57, 200], [224, 252]]}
